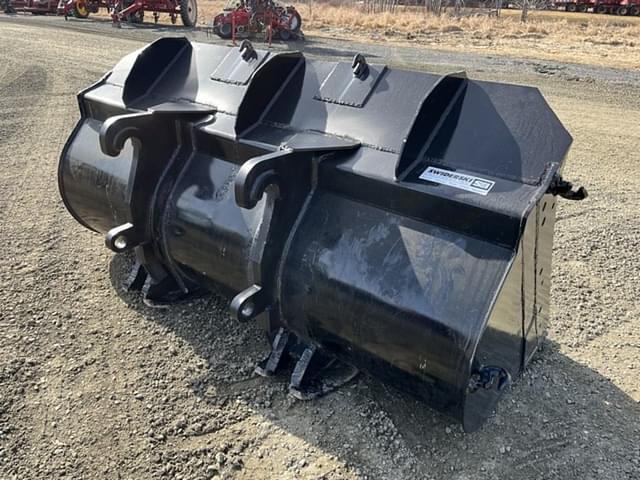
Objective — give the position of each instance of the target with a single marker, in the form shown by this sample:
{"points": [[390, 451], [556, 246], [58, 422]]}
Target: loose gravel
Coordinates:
{"points": [[94, 384]]}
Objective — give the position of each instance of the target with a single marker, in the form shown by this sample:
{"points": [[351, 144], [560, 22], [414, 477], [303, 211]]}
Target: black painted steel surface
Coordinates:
{"points": [[401, 222]]}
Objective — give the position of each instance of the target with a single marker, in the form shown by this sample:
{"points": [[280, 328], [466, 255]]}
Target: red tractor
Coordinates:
{"points": [[249, 17]]}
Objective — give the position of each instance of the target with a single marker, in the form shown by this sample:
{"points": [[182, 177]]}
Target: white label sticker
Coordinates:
{"points": [[458, 180]]}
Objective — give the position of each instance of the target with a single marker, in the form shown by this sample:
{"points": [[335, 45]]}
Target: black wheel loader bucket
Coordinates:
{"points": [[391, 221]]}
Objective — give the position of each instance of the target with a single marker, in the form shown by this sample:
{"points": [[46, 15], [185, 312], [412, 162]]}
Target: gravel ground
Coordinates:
{"points": [[94, 384]]}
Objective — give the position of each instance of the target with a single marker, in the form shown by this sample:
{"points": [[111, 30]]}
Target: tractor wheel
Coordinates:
{"points": [[80, 9], [601, 9], [572, 7], [623, 11], [634, 10], [284, 34], [189, 12], [582, 8], [296, 21], [224, 30]]}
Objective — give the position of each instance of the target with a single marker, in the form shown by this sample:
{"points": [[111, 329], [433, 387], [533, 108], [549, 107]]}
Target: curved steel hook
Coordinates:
{"points": [[257, 174], [115, 131]]}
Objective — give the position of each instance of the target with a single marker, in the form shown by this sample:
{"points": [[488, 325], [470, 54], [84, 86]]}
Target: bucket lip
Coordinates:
{"points": [[61, 189], [470, 422], [67, 146], [541, 190]]}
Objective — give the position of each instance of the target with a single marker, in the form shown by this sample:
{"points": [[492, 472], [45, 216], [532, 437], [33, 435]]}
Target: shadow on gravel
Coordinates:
{"points": [[320, 49], [204, 33], [147, 26], [560, 420]]}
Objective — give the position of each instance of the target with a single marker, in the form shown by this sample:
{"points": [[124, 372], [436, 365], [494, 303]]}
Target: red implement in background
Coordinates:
{"points": [[618, 7], [250, 17], [35, 7], [133, 10]]}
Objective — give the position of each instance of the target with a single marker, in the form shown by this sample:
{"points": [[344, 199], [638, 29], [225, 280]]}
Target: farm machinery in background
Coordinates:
{"points": [[618, 7], [133, 10], [250, 17], [35, 7], [82, 8]]}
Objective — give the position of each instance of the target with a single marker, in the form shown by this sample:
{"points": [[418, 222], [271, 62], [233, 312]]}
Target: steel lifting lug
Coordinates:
{"points": [[247, 51], [122, 238], [561, 187], [248, 304], [489, 378], [359, 65]]}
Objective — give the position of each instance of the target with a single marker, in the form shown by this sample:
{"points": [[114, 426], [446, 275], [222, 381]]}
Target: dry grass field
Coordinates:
{"points": [[585, 38], [606, 40]]}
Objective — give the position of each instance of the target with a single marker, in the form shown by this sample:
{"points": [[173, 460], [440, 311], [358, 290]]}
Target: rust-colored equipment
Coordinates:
{"points": [[250, 17], [35, 7], [133, 10]]}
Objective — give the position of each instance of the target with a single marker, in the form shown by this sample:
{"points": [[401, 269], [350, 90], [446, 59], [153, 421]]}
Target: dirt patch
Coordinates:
{"points": [[94, 384]]}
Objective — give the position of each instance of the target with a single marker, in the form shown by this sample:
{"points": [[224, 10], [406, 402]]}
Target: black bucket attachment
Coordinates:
{"points": [[370, 218]]}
